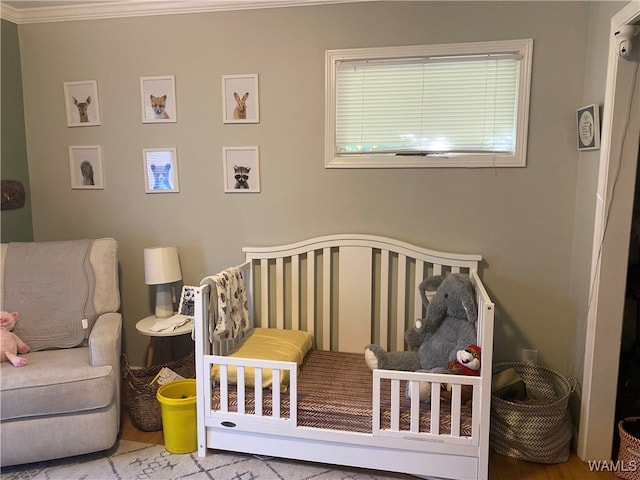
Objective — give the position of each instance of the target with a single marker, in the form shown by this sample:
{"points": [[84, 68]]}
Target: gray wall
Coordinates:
{"points": [[520, 220], [586, 187], [15, 225]]}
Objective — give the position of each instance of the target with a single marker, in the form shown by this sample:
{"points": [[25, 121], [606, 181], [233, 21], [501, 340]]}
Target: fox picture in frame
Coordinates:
{"points": [[158, 95], [159, 107]]}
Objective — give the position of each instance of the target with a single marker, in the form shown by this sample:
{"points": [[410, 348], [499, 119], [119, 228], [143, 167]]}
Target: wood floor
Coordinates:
{"points": [[500, 467]]}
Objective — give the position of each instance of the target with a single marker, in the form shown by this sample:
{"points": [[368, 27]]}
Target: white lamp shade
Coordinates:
{"points": [[161, 265]]}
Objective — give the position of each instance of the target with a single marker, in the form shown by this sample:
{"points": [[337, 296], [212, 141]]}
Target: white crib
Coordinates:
{"points": [[348, 291]]}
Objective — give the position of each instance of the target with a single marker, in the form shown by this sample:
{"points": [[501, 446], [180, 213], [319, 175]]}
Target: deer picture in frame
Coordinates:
{"points": [[82, 103]]}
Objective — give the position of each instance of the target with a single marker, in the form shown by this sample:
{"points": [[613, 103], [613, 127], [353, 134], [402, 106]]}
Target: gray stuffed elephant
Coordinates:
{"points": [[449, 326]]}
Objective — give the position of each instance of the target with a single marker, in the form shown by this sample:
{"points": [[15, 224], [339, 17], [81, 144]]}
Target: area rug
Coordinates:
{"points": [[141, 461]]}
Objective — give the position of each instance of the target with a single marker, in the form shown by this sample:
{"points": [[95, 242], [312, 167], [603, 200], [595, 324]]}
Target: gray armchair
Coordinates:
{"points": [[66, 400]]}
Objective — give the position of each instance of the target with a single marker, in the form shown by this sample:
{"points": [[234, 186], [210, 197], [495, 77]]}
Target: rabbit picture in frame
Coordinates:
{"points": [[240, 99], [240, 112]]}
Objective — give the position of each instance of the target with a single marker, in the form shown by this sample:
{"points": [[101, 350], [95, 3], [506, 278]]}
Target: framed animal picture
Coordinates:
{"points": [[158, 99], [85, 166], [240, 99], [82, 103], [160, 170], [241, 169], [187, 301]]}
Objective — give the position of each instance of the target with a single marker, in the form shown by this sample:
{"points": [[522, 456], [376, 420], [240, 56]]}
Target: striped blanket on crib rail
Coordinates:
{"points": [[230, 316]]}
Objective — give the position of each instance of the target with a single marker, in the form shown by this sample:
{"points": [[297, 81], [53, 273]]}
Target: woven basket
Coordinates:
{"points": [[629, 453], [537, 429], [140, 397]]}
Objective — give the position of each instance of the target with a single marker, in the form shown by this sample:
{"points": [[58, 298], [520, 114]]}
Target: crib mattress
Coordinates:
{"points": [[335, 392]]}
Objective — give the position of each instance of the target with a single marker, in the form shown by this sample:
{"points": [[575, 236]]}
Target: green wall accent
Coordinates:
{"points": [[16, 225]]}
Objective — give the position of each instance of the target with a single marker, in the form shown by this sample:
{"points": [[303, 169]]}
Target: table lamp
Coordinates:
{"points": [[162, 268]]}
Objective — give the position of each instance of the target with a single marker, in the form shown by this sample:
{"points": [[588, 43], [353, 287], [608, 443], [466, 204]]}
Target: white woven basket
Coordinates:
{"points": [[537, 429], [629, 453]]}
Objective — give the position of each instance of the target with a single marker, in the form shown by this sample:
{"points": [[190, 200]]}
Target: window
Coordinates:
{"points": [[455, 105]]}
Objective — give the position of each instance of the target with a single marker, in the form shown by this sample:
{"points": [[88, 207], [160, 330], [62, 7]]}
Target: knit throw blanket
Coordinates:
{"points": [[228, 292], [51, 286]]}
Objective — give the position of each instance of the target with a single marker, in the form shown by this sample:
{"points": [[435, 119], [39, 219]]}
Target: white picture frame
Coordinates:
{"points": [[588, 127], [240, 99], [82, 103], [187, 301], [158, 99], [160, 170], [241, 169], [85, 167]]}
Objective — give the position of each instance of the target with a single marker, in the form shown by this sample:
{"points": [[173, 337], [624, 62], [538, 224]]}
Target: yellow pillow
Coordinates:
{"points": [[269, 344]]}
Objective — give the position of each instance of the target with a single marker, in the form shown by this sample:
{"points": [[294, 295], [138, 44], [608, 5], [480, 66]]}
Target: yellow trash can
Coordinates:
{"points": [[178, 406]]}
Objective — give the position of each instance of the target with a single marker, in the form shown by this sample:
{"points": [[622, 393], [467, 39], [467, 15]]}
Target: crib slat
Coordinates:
{"points": [[326, 298], [395, 405], [456, 403], [275, 393], [417, 302], [208, 387], [224, 389], [384, 300], [293, 397], [279, 293], [258, 391], [437, 269], [435, 409], [295, 292], [355, 269], [375, 421], [311, 298], [401, 309], [264, 292], [415, 406], [240, 388]]}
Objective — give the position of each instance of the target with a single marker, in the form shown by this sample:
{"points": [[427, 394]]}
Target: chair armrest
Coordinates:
{"points": [[105, 341]]}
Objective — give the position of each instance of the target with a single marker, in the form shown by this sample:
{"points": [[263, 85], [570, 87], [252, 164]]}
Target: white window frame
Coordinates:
{"points": [[522, 48]]}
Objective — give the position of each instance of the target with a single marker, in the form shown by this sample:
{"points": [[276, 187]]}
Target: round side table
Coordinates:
{"points": [[144, 325]]}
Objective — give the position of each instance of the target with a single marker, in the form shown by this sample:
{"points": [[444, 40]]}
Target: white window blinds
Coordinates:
{"points": [[438, 105]]}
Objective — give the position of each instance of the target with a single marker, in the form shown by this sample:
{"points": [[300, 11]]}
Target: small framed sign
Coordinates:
{"points": [[588, 119]]}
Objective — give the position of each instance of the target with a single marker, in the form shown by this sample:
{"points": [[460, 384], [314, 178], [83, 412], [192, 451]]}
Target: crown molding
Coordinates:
{"points": [[139, 8], [9, 13]]}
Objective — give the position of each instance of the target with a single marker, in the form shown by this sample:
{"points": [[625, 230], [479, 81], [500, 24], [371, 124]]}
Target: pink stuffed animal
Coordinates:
{"points": [[10, 343]]}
